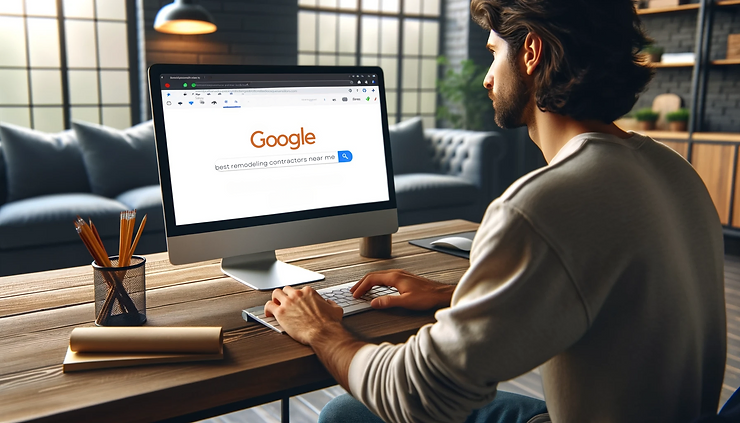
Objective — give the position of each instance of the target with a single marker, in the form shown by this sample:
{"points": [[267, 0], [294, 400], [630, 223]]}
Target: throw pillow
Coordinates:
{"points": [[118, 160], [38, 163], [410, 152], [3, 178]]}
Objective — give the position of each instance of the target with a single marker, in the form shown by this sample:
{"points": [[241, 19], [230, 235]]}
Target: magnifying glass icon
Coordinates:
{"points": [[344, 156]]}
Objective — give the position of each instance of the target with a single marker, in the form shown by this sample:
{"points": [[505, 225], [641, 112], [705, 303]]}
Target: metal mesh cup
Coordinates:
{"points": [[120, 293]]}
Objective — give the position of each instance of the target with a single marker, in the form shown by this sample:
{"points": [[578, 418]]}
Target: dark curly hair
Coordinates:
{"points": [[591, 67]]}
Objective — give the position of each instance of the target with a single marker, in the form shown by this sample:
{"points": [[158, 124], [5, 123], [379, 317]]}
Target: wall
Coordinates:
{"points": [[250, 32]]}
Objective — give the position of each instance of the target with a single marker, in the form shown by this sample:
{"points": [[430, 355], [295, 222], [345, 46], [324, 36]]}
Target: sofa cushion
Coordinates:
{"points": [[48, 219], [118, 160], [411, 153], [3, 177], [416, 191], [147, 201], [39, 163]]}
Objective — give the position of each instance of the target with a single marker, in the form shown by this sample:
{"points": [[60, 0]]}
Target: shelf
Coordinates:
{"points": [[654, 10], [725, 62], [665, 135], [672, 65], [698, 136], [728, 3], [717, 136]]}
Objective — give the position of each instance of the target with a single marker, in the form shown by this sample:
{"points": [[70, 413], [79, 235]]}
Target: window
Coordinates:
{"points": [[67, 59], [400, 36]]}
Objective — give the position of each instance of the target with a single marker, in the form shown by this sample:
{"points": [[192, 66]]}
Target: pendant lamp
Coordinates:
{"points": [[184, 17]]}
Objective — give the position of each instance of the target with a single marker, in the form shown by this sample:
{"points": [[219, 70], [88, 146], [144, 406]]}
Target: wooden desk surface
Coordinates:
{"points": [[39, 310]]}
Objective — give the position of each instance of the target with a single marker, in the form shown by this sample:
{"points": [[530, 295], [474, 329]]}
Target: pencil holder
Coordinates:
{"points": [[120, 293]]}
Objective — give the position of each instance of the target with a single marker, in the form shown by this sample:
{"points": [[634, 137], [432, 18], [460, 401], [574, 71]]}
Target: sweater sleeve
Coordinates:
{"points": [[515, 308]]}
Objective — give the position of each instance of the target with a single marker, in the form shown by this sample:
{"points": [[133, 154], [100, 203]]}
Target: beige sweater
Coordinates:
{"points": [[605, 268]]}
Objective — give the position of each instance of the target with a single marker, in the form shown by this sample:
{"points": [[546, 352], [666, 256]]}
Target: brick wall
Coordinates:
{"points": [[250, 32], [723, 100], [456, 25], [726, 21]]}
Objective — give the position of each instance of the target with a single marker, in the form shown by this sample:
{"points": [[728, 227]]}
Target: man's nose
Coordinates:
{"points": [[488, 80]]}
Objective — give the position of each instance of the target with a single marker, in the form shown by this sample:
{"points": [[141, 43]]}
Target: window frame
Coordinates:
{"points": [[134, 63], [400, 56]]}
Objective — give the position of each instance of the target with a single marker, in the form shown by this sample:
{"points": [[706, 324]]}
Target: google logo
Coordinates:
{"points": [[282, 140]]}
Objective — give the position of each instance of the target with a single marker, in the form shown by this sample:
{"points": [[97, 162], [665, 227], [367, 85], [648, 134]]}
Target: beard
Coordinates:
{"points": [[511, 102]]}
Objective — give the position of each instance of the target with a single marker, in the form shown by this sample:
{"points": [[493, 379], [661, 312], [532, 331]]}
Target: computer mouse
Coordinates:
{"points": [[454, 242]]}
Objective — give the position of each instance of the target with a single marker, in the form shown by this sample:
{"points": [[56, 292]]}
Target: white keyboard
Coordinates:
{"points": [[338, 293]]}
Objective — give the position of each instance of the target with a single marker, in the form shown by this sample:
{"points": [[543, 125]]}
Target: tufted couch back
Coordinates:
{"points": [[3, 178], [473, 155]]}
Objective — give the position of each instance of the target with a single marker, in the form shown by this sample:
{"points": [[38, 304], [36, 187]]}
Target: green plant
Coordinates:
{"points": [[646, 115], [680, 115], [652, 49], [465, 99]]}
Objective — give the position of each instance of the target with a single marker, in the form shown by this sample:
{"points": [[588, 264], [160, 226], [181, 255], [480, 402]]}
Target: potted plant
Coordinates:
{"points": [[678, 120], [653, 52], [463, 94], [646, 118]]}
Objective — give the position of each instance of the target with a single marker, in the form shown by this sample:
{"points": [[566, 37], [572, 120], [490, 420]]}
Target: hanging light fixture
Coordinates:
{"points": [[184, 17]]}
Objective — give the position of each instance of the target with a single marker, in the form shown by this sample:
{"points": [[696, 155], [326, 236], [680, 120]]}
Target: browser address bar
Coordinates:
{"points": [[273, 84]]}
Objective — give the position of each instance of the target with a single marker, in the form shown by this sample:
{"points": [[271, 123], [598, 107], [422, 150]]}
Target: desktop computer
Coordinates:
{"points": [[258, 158]]}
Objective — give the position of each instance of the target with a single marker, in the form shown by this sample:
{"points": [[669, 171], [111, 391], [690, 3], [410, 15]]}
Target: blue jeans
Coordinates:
{"points": [[505, 408]]}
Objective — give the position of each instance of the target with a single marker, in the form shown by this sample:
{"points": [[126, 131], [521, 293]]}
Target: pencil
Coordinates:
{"points": [[97, 236], [120, 236], [100, 257], [138, 236], [129, 237]]}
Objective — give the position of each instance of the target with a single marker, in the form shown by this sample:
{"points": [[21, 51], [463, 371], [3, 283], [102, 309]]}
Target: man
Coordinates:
{"points": [[604, 268]]}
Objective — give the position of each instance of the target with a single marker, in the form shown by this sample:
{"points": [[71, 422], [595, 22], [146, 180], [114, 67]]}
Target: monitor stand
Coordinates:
{"points": [[264, 271]]}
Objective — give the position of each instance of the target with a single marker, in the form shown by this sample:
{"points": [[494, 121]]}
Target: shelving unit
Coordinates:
{"points": [[714, 155]]}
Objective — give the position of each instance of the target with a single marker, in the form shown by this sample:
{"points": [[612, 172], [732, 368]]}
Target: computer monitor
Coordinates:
{"points": [[258, 158]]}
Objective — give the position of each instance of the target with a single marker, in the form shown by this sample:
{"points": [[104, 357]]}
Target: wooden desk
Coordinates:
{"points": [[38, 311]]}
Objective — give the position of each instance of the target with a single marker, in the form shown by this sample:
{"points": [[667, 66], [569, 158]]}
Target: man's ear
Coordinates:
{"points": [[531, 52]]}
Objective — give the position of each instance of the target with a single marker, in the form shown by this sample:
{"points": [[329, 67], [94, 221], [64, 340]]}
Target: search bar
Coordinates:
{"points": [[288, 160]]}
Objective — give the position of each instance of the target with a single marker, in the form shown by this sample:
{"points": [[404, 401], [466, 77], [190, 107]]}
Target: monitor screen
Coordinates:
{"points": [[293, 155]]}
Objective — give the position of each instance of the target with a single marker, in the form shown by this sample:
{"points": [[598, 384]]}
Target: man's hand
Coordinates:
{"points": [[310, 319], [417, 293], [303, 313]]}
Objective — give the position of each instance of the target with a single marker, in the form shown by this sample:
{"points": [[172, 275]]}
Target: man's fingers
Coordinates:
{"points": [[279, 296], [382, 278], [383, 274], [354, 287], [388, 301], [269, 307]]}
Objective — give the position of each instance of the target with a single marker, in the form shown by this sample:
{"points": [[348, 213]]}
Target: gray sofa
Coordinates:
{"points": [[443, 174], [92, 171], [46, 180]]}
